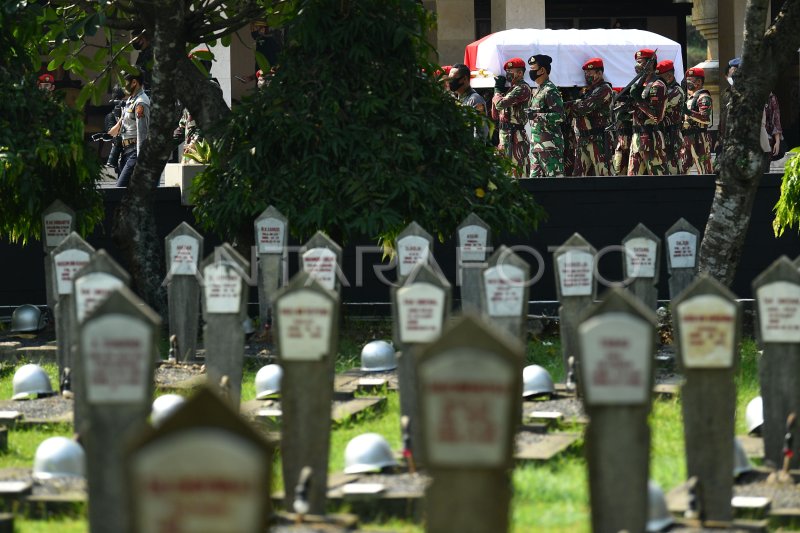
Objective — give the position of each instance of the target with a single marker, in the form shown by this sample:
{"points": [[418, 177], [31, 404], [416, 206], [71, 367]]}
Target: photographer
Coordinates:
{"points": [[111, 119]]}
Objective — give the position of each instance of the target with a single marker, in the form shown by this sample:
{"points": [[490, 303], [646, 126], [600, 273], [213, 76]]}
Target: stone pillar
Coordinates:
{"points": [[456, 29], [508, 14], [706, 18], [238, 59]]}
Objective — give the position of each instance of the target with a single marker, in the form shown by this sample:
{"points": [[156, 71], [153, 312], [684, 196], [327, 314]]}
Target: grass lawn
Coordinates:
{"points": [[551, 496]]}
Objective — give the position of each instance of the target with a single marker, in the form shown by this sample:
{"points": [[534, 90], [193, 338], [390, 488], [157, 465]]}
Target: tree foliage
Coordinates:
{"points": [[355, 136], [787, 210], [42, 152]]}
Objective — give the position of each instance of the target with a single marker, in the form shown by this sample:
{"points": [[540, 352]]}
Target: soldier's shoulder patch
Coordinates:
{"points": [[139, 111]]}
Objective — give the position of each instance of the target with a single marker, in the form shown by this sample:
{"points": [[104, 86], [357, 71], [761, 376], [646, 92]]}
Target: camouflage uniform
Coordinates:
{"points": [[570, 145], [622, 143], [591, 114], [546, 112], [696, 142], [509, 111], [673, 119], [648, 149]]}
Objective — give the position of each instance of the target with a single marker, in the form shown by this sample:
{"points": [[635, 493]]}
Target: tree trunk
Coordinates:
{"points": [[135, 225], [764, 55]]}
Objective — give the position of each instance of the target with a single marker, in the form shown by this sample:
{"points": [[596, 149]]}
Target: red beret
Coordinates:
{"points": [[46, 78], [259, 73], [665, 66], [447, 68], [593, 63], [696, 73], [644, 53], [514, 62], [617, 89]]}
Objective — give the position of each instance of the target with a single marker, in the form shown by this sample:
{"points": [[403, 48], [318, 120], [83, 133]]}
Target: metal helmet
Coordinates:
{"points": [[59, 457], [741, 463], [754, 415], [164, 407], [658, 515], [368, 452], [27, 318], [536, 381], [377, 356], [268, 381], [31, 381]]}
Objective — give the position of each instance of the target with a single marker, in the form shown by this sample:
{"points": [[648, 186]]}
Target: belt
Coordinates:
{"points": [[128, 142], [507, 126], [649, 128], [592, 133]]}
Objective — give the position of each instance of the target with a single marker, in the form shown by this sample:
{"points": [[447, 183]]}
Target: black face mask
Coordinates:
{"points": [[454, 84], [533, 75]]}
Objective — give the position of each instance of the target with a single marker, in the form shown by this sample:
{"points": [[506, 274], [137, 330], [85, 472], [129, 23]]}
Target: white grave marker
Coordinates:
{"points": [[708, 333], [421, 311], [91, 290], [305, 322], [576, 270], [640, 256], [468, 398], [57, 226], [682, 249], [67, 263], [411, 250], [779, 312], [615, 367], [270, 234], [320, 263], [222, 286], [505, 290], [184, 255], [473, 241], [117, 350]]}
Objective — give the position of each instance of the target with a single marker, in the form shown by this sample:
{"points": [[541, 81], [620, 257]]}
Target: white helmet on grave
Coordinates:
{"points": [[268, 381], [378, 356], [59, 457], [26, 318], [741, 463], [658, 515], [754, 415], [164, 407], [536, 381], [31, 381], [368, 452]]}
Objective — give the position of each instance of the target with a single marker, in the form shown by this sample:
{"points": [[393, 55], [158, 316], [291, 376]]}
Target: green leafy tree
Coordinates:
{"points": [[355, 136], [787, 210], [42, 153]]}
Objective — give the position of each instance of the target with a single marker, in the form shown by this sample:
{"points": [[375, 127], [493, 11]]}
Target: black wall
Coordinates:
{"points": [[603, 210]]}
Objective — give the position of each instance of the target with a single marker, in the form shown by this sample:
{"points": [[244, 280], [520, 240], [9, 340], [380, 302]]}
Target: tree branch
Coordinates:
{"points": [[206, 32]]}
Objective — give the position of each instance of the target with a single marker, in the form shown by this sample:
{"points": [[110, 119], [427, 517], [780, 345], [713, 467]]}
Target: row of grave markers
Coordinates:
{"points": [[457, 384]]}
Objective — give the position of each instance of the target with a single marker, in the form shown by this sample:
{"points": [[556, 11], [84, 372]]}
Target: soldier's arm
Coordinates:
{"points": [[142, 123], [655, 105], [517, 95], [597, 99], [703, 114], [555, 109]]}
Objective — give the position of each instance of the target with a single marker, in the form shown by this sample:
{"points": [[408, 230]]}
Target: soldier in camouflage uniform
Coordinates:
{"points": [[509, 110], [546, 113], [673, 115], [648, 100], [591, 115], [697, 118], [622, 133]]}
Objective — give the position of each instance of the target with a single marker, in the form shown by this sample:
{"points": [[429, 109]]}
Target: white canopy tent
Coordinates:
{"points": [[570, 49]]}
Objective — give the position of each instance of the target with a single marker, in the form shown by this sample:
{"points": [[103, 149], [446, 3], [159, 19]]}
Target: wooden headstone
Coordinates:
{"points": [[224, 305], [413, 245], [707, 327], [777, 294], [617, 345], [796, 262], [641, 264], [321, 258], [420, 309], [474, 242], [271, 229], [683, 241], [204, 469], [117, 345], [576, 286], [183, 249], [67, 259], [505, 285], [306, 321], [58, 221], [92, 284], [470, 386]]}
